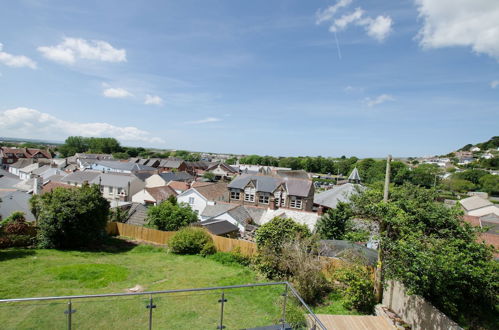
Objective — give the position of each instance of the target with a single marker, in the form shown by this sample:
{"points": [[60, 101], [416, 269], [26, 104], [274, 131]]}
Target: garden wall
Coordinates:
{"points": [[415, 310]]}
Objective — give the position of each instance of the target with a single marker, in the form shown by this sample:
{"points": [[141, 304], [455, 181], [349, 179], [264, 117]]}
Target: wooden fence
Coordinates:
{"points": [[222, 244]]}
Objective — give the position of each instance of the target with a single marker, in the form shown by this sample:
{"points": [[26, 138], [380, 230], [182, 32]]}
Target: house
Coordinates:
{"points": [[46, 171], [198, 198], [21, 163], [120, 167], [11, 155], [84, 161], [172, 164], [16, 201], [222, 171], [153, 196], [478, 206], [487, 155], [117, 187], [25, 172], [79, 178], [197, 168], [475, 149], [163, 178], [329, 199], [178, 186], [491, 224], [272, 192]]}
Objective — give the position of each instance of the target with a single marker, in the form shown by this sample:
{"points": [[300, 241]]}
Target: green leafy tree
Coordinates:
{"points": [[458, 185], [332, 225], [73, 145], [490, 183], [428, 247], [170, 215], [70, 218], [209, 176], [472, 176], [425, 175]]}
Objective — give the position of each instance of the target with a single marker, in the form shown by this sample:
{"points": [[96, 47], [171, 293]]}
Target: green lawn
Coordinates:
{"points": [[120, 265], [36, 273]]}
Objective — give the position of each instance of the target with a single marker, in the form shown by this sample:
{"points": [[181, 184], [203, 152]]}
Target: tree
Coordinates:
{"points": [[458, 185], [70, 218], [490, 184], [170, 215], [209, 176], [472, 175], [73, 145], [432, 251], [332, 224], [425, 175]]}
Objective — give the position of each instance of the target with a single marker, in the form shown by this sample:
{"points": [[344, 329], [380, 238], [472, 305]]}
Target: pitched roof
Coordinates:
{"points": [[217, 209], [41, 170], [212, 192], [176, 176], [330, 198], [218, 227], [23, 162], [224, 166], [124, 166], [171, 163], [81, 176], [161, 193], [240, 214], [143, 176], [113, 180], [178, 185], [29, 168], [297, 174], [266, 183], [354, 176], [474, 202], [137, 215], [52, 185], [200, 184]]}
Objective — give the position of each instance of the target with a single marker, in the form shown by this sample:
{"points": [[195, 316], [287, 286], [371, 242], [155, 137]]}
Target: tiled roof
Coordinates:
{"points": [[161, 193], [178, 185], [213, 192], [217, 209], [176, 176], [52, 185]]}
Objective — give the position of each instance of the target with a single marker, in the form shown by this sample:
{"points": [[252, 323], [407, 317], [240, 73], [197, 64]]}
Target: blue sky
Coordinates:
{"points": [[331, 78]]}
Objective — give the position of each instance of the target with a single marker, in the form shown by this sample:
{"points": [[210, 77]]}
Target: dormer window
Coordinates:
{"points": [[295, 202], [249, 194]]}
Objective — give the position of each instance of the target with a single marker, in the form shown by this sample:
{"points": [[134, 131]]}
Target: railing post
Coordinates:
{"points": [[68, 312], [150, 306], [285, 295], [222, 301]]}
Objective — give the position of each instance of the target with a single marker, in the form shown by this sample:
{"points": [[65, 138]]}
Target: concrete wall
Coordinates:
{"points": [[415, 310]]}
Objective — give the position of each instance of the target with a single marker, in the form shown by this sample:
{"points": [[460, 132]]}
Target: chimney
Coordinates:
{"points": [[37, 185], [320, 211]]}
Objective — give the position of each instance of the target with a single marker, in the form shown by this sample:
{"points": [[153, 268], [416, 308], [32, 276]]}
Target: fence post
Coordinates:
{"points": [[150, 306], [285, 295], [222, 301], [68, 312]]}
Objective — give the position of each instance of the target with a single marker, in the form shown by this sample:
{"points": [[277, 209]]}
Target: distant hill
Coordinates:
{"points": [[493, 143]]}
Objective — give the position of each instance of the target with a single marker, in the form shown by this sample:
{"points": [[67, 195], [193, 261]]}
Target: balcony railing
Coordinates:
{"points": [[274, 305]]}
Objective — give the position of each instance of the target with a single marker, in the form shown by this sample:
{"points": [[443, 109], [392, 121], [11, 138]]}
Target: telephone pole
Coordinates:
{"points": [[379, 267]]}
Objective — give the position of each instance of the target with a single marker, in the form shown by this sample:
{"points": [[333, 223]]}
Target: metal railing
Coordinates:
{"points": [[155, 298]]}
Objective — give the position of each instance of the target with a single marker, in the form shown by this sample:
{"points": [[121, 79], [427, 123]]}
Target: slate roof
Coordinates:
{"points": [[218, 227], [240, 214], [354, 176], [16, 201], [113, 180], [29, 168], [176, 176], [124, 166], [474, 202], [266, 183], [171, 163], [142, 176], [330, 198], [296, 174], [81, 176], [41, 170], [23, 162]]}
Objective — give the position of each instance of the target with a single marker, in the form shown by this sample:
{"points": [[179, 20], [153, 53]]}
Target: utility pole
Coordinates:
{"points": [[378, 289]]}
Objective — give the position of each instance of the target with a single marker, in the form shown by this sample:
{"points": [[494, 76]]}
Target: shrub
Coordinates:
{"points": [[70, 218], [16, 232], [333, 224], [208, 249], [15, 216], [231, 258], [190, 240]]}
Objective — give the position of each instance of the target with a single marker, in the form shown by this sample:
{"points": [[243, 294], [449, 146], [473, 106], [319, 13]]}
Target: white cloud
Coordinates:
{"points": [[494, 84], [153, 100], [380, 27], [353, 89], [116, 93], [16, 61], [449, 23], [378, 100], [31, 123], [72, 49], [377, 28], [204, 121], [328, 13]]}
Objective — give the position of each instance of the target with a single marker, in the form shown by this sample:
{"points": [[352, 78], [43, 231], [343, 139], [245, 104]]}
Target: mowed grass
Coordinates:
{"points": [[117, 267]]}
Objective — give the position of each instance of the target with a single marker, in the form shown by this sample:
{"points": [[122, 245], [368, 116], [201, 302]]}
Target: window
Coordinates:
{"points": [[110, 190], [249, 194], [263, 198], [235, 195], [120, 191], [191, 200], [295, 202], [280, 198]]}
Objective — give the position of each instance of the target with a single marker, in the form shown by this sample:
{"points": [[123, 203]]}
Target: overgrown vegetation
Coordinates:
{"points": [[70, 218], [428, 247], [15, 231]]}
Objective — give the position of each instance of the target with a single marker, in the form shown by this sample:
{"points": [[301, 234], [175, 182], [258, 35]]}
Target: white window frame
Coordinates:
{"points": [[295, 202], [191, 200]]}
